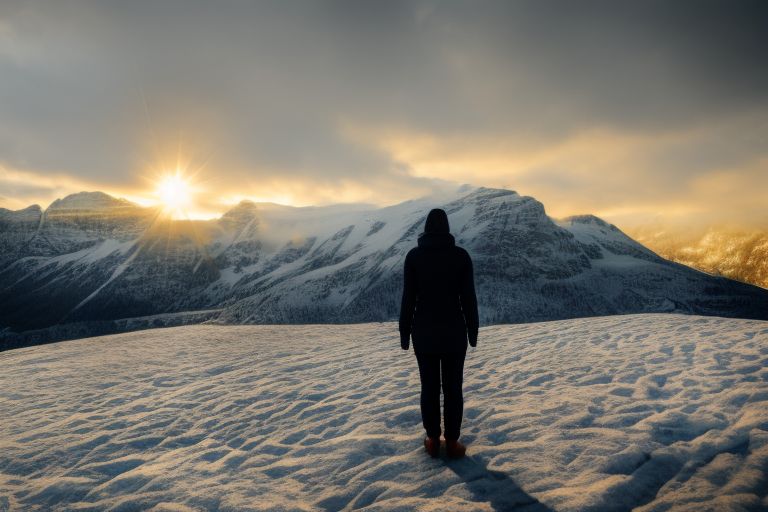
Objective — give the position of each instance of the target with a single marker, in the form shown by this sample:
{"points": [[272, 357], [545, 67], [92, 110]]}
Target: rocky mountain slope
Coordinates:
{"points": [[90, 259]]}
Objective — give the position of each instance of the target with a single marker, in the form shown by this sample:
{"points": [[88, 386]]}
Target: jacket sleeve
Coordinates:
{"points": [[408, 303], [469, 301]]}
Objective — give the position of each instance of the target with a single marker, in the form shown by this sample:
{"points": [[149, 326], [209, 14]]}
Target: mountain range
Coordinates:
{"points": [[737, 252], [92, 264]]}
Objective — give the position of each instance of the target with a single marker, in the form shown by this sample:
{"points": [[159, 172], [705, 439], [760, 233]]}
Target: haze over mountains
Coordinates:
{"points": [[736, 252], [91, 263]]}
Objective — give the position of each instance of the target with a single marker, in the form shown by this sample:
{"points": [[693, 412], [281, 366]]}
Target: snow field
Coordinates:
{"points": [[646, 412]]}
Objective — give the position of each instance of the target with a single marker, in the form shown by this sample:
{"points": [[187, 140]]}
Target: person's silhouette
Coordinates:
{"points": [[439, 312]]}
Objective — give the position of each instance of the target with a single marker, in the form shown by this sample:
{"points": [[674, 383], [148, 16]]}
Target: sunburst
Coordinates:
{"points": [[174, 191]]}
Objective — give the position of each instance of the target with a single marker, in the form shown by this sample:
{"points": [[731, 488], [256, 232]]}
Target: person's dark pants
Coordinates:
{"points": [[452, 365]]}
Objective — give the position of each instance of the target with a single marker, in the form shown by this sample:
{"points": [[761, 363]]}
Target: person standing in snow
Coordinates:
{"points": [[439, 311]]}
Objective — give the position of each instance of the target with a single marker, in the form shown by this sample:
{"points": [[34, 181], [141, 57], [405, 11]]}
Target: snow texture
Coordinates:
{"points": [[644, 412]]}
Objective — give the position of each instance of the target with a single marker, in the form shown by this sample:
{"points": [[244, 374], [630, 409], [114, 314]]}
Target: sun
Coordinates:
{"points": [[175, 193]]}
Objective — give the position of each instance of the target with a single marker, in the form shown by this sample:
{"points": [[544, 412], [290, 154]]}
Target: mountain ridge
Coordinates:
{"points": [[334, 264]]}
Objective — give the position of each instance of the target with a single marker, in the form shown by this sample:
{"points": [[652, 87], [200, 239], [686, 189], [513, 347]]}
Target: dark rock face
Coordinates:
{"points": [[91, 258], [17, 229]]}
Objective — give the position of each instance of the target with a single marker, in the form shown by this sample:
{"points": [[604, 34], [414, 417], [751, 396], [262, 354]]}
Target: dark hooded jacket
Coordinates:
{"points": [[439, 306]]}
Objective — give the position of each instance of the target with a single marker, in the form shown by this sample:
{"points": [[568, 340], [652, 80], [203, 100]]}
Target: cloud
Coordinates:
{"points": [[624, 176], [589, 106]]}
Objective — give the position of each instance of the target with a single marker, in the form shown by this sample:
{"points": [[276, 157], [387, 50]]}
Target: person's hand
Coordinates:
{"points": [[405, 342], [472, 339]]}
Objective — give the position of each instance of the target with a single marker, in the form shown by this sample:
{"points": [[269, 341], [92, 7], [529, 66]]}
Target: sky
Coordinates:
{"points": [[634, 111]]}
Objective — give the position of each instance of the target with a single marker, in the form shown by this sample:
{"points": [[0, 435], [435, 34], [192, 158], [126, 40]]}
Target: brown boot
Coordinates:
{"points": [[455, 449], [432, 446]]}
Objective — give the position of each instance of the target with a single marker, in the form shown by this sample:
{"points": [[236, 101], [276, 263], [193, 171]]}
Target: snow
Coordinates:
{"points": [[266, 263], [645, 412], [115, 274], [98, 251], [282, 223]]}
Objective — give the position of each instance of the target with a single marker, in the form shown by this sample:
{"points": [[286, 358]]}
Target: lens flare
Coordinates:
{"points": [[174, 193]]}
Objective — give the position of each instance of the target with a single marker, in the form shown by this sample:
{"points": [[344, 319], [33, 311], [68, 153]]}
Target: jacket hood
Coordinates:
{"points": [[437, 221], [436, 240]]}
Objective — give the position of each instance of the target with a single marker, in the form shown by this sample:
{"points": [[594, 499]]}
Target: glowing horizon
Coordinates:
{"points": [[179, 181], [662, 119]]}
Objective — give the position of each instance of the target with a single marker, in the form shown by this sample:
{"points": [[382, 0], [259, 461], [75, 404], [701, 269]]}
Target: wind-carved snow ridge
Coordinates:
{"points": [[650, 412]]}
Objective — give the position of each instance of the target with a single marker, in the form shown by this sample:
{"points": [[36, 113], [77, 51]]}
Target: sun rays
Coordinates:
{"points": [[176, 188], [174, 192]]}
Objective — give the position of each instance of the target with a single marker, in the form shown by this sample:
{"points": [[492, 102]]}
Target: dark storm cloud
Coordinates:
{"points": [[262, 89]]}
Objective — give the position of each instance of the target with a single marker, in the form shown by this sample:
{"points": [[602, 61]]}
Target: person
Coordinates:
{"points": [[439, 312]]}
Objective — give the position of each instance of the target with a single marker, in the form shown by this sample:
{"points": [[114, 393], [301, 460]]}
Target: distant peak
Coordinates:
{"points": [[33, 208], [493, 192], [29, 213], [588, 219], [243, 211], [246, 205], [89, 201], [496, 189]]}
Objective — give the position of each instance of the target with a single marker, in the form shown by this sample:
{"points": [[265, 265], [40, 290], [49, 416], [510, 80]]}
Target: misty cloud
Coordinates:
{"points": [[266, 93]]}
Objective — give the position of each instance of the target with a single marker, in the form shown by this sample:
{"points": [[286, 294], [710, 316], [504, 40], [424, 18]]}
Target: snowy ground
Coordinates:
{"points": [[658, 412]]}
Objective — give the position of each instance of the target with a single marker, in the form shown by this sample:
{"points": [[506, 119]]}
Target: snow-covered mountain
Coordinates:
{"points": [[644, 412], [90, 259]]}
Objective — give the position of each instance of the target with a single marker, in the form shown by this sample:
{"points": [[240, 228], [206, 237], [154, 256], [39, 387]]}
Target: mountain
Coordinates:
{"points": [[89, 260], [734, 252]]}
